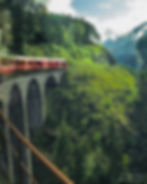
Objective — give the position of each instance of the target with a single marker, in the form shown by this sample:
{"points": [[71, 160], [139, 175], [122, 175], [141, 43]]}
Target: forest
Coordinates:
{"points": [[96, 129]]}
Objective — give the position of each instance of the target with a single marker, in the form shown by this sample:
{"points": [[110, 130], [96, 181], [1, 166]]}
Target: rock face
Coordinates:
{"points": [[125, 48]]}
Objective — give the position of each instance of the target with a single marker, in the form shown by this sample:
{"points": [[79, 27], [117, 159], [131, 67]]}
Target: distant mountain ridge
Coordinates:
{"points": [[125, 49]]}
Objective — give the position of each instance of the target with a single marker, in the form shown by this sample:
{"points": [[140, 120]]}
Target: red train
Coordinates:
{"points": [[25, 64]]}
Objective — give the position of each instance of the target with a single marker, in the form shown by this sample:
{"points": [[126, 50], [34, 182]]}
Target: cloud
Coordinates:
{"points": [[100, 8], [123, 22], [104, 6], [62, 6], [131, 14]]}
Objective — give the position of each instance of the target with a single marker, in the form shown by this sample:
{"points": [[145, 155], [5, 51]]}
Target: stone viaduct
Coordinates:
{"points": [[23, 101]]}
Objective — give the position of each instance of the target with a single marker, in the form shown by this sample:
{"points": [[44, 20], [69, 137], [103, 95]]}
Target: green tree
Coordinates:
{"points": [[89, 123], [142, 49], [139, 141]]}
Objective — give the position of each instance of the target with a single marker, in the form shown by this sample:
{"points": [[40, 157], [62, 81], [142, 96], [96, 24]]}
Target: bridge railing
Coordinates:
{"points": [[43, 159]]}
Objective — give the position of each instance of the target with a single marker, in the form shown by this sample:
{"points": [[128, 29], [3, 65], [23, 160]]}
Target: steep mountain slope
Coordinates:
{"points": [[142, 49], [124, 48], [68, 37]]}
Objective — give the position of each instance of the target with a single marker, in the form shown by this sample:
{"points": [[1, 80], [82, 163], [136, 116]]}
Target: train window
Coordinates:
{"points": [[38, 63], [6, 62], [18, 63], [31, 62]]}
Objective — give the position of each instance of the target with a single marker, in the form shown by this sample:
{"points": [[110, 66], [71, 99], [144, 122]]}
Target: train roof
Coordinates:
{"points": [[36, 58], [22, 58]]}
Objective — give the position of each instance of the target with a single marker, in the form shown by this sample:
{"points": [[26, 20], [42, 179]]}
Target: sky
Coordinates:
{"points": [[111, 18]]}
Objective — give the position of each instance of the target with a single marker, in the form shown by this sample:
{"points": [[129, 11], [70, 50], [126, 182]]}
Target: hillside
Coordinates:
{"points": [[64, 36], [54, 35], [124, 48], [142, 49], [91, 131]]}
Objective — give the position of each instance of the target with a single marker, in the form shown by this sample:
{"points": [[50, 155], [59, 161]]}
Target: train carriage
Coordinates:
{"points": [[6, 66], [25, 64]]}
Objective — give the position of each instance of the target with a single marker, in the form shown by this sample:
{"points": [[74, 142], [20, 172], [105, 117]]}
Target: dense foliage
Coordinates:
{"points": [[96, 126], [31, 30], [139, 124], [29, 23], [87, 123]]}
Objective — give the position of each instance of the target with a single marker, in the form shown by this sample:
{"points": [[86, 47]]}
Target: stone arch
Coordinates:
{"points": [[34, 104], [1, 105], [1, 119], [1, 122], [3, 153], [63, 80], [15, 113], [50, 84], [15, 108]]}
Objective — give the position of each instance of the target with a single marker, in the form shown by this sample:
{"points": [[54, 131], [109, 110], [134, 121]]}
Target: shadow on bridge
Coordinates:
{"points": [[15, 111], [34, 104]]}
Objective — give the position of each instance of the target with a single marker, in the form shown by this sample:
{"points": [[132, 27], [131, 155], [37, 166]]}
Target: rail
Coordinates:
{"points": [[50, 166]]}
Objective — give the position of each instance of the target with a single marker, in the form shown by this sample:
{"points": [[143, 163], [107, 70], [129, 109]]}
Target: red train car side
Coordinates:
{"points": [[24, 64]]}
